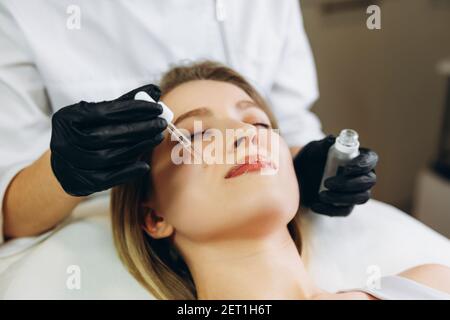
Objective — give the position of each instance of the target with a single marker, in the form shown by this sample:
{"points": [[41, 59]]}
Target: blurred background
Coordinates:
{"points": [[391, 85]]}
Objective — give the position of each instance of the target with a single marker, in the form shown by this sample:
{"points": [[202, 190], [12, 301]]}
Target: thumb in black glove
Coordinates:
{"points": [[349, 187], [95, 146]]}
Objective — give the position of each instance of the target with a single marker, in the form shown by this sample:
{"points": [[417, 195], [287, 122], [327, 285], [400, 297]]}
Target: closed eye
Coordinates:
{"points": [[192, 136], [258, 124], [261, 124]]}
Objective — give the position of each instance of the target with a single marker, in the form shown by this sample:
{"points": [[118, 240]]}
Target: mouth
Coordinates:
{"points": [[251, 164]]}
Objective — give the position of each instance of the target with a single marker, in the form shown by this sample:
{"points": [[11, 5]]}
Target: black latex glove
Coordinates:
{"points": [[96, 146], [349, 187]]}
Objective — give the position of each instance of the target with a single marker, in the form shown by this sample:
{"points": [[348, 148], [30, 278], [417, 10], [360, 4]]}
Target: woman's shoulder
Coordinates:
{"points": [[436, 276]]}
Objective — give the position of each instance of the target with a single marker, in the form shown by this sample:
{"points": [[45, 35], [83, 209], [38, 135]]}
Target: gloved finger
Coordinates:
{"points": [[105, 113], [331, 210], [123, 155], [309, 163], [359, 183], [313, 151], [117, 135], [363, 163], [151, 89], [87, 159], [109, 179], [344, 199], [321, 149]]}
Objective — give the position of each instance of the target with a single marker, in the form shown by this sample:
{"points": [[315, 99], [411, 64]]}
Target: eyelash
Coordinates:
{"points": [[264, 125], [194, 134]]}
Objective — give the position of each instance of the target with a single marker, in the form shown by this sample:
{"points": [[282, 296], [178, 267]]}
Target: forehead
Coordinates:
{"points": [[217, 95]]}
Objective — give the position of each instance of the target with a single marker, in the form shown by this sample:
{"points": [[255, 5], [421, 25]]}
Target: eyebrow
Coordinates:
{"points": [[203, 111], [244, 104], [206, 111]]}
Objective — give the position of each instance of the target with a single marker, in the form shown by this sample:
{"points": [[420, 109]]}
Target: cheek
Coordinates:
{"points": [[288, 181], [185, 198], [286, 184], [187, 194], [194, 201]]}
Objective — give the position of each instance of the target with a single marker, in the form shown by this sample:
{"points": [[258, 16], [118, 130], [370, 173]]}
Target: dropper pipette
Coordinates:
{"points": [[167, 114]]}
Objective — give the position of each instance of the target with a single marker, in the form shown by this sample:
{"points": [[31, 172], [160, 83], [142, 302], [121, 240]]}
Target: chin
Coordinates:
{"points": [[266, 214]]}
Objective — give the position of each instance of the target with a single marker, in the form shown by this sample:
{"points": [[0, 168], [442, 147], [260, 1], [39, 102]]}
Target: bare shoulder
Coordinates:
{"points": [[436, 276]]}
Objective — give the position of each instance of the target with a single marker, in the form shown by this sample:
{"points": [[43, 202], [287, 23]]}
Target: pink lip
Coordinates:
{"points": [[256, 164]]}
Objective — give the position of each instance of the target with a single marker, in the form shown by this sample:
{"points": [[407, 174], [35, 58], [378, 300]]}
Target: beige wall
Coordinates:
{"points": [[384, 84]]}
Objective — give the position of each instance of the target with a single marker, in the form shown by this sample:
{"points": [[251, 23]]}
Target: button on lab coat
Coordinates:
{"points": [[46, 62]]}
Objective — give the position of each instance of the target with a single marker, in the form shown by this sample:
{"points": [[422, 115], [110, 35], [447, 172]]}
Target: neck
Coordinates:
{"points": [[269, 268]]}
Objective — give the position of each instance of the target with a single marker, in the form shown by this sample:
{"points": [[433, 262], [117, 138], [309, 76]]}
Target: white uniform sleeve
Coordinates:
{"points": [[295, 86], [24, 109]]}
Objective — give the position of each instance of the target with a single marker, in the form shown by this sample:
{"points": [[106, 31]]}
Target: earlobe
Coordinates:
{"points": [[156, 226]]}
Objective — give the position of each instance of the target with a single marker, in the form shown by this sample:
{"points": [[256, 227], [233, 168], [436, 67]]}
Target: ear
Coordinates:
{"points": [[156, 226]]}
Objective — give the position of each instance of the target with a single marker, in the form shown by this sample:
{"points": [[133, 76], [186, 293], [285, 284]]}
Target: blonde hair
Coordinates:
{"points": [[156, 263]]}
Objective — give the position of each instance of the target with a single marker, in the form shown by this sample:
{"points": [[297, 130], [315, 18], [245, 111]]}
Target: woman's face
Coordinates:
{"points": [[221, 200]]}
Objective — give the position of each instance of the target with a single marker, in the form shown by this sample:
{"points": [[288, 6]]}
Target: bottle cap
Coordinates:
{"points": [[167, 114]]}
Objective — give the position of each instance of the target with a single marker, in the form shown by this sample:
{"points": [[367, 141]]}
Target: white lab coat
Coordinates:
{"points": [[121, 44]]}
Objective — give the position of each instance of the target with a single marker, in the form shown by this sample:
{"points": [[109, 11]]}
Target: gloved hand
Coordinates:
{"points": [[349, 187], [95, 146]]}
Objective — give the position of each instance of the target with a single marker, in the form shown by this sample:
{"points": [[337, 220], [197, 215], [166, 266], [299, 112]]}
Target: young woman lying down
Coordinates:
{"points": [[224, 231]]}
